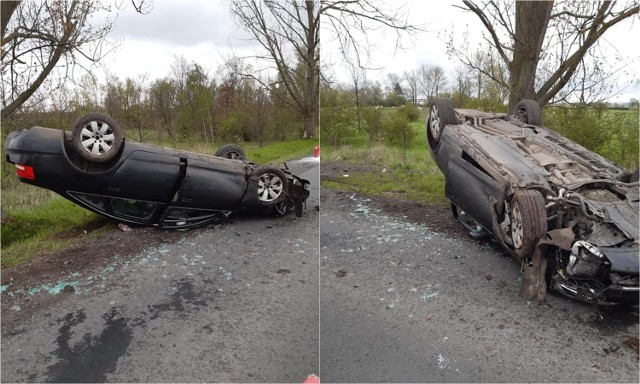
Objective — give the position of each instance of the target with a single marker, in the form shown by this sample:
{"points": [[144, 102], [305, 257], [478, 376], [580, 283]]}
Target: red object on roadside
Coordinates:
{"points": [[311, 379], [25, 172], [316, 151]]}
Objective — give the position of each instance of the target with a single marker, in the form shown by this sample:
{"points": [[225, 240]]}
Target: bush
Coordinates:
{"points": [[397, 128], [231, 129], [612, 134], [410, 111], [372, 117]]}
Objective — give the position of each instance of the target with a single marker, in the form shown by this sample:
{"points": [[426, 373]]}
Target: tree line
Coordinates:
{"points": [[187, 104]]}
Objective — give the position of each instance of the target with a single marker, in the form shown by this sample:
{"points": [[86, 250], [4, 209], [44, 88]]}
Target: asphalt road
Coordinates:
{"points": [[404, 302], [237, 302], [399, 302]]}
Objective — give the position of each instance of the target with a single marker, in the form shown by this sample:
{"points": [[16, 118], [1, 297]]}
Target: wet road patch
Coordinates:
{"points": [[95, 356], [185, 295]]}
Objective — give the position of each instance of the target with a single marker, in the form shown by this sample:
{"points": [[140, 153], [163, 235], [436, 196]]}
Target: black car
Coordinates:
{"points": [[137, 183], [569, 215]]}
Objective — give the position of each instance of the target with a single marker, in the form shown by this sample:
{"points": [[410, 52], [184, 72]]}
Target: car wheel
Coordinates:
{"points": [[273, 184], [528, 111], [230, 151], [528, 216], [96, 137], [441, 113]]}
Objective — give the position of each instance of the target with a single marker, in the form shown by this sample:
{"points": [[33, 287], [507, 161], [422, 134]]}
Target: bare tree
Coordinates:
{"points": [[546, 42], [411, 78], [462, 88], [289, 33], [38, 36], [432, 80], [350, 22], [358, 77], [393, 79]]}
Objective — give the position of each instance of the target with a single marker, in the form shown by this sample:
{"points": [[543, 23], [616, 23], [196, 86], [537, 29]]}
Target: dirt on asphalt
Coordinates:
{"points": [[435, 215], [405, 301], [62, 265], [234, 301], [98, 251]]}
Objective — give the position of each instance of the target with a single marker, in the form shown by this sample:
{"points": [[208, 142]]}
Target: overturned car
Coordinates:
{"points": [[95, 167], [569, 215]]}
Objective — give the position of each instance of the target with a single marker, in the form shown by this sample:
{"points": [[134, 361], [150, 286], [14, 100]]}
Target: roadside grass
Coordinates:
{"points": [[37, 221], [408, 173], [54, 225]]}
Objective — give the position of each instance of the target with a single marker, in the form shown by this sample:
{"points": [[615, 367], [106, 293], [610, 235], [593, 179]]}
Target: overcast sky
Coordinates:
{"points": [[200, 30], [440, 19], [204, 31]]}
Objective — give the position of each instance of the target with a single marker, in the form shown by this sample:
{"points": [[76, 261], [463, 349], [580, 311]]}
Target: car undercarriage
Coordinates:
{"points": [[568, 214]]}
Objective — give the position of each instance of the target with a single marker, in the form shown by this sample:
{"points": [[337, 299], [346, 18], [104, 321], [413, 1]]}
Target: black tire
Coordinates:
{"points": [[528, 216], [528, 111], [441, 113], [97, 137], [273, 184], [230, 151], [635, 176]]}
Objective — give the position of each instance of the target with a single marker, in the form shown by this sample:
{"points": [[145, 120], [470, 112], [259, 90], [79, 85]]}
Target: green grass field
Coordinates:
{"points": [[410, 172], [35, 220]]}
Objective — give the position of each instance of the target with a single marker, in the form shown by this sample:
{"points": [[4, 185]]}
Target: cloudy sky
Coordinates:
{"points": [[204, 31], [200, 30], [441, 19]]}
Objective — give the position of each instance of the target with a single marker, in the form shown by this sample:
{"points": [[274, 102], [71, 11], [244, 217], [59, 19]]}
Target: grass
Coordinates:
{"points": [[409, 172], [55, 224], [36, 221]]}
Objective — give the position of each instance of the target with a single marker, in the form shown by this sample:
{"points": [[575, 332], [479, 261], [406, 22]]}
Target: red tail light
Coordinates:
{"points": [[25, 172]]}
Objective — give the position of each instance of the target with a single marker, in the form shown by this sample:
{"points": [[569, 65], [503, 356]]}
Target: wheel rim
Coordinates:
{"points": [[270, 187], [233, 155], [434, 122], [516, 226], [97, 138], [522, 115]]}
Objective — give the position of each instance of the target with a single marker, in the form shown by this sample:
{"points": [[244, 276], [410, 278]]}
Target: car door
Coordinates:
{"points": [[470, 188], [147, 176], [213, 184]]}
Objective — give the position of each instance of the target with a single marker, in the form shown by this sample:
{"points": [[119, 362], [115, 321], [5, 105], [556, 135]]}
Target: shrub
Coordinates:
{"points": [[410, 111], [397, 128], [373, 122]]}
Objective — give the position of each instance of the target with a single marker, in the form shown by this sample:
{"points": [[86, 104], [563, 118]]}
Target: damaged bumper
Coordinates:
{"points": [[583, 271]]}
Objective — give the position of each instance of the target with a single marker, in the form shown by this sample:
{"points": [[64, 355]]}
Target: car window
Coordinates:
{"points": [[125, 208], [96, 202], [141, 210]]}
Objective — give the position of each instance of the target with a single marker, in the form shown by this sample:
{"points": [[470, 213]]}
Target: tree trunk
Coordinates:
{"points": [[309, 125], [532, 19], [6, 10], [357, 91]]}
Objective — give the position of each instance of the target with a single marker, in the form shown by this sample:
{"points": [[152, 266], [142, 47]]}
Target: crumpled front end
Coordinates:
{"points": [[605, 275]]}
